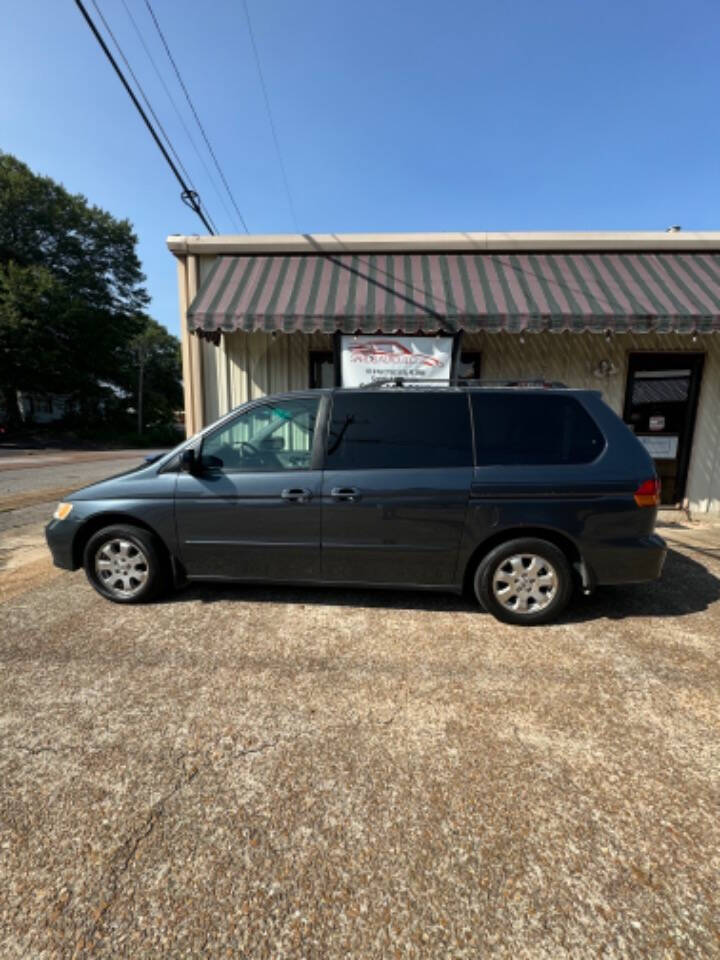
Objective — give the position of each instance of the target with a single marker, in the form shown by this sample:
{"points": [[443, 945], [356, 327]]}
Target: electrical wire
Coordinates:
{"points": [[278, 151], [155, 117], [195, 114], [178, 113], [188, 196]]}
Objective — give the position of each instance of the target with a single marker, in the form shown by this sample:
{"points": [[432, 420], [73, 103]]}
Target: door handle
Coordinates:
{"points": [[347, 494], [297, 494]]}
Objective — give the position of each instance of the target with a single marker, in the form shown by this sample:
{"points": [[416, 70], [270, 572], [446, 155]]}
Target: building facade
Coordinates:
{"points": [[635, 316]]}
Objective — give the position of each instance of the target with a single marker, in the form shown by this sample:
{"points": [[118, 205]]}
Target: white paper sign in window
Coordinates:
{"points": [[660, 448], [366, 359]]}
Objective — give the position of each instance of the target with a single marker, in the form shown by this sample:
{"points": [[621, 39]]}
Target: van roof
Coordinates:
{"points": [[424, 382]]}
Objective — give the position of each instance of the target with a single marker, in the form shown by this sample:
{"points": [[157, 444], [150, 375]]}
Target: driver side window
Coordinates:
{"points": [[277, 435]]}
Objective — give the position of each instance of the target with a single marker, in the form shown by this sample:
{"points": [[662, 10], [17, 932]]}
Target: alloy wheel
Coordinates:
{"points": [[525, 583], [121, 567]]}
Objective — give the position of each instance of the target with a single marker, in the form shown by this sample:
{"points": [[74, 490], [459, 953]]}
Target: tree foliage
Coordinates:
{"points": [[72, 300], [155, 357]]}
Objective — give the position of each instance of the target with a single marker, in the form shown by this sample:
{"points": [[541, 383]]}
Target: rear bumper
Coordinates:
{"points": [[632, 560], [60, 535]]}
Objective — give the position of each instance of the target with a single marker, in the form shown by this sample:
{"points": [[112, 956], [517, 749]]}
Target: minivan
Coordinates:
{"points": [[515, 494]]}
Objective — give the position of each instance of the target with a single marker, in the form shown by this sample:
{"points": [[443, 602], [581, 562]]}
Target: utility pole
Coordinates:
{"points": [[141, 376]]}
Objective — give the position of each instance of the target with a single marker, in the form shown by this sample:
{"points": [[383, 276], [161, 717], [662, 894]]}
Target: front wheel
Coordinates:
{"points": [[525, 581], [126, 564]]}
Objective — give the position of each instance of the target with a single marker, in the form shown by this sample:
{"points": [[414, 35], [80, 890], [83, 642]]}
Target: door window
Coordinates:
{"points": [[532, 429], [375, 431], [660, 386], [277, 435]]}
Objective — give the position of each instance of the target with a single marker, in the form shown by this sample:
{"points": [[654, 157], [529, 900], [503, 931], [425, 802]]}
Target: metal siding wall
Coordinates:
{"points": [[703, 489], [211, 382], [185, 345], [299, 360], [250, 365]]}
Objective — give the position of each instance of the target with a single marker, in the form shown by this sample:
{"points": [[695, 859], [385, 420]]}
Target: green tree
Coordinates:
{"points": [[32, 345], [155, 355], [71, 290]]}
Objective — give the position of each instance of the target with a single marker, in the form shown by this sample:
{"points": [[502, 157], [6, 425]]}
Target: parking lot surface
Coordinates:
{"points": [[267, 772]]}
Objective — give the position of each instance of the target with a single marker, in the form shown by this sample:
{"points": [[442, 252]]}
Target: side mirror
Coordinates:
{"points": [[189, 461]]}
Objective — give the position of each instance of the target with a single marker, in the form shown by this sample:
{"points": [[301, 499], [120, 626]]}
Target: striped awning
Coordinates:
{"points": [[427, 292]]}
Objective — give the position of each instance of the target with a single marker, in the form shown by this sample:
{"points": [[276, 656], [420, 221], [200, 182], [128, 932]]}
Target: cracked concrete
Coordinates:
{"points": [[261, 772], [36, 750], [124, 857]]}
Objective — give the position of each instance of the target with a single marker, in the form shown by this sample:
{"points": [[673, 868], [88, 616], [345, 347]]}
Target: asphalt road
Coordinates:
{"points": [[34, 475], [257, 772]]}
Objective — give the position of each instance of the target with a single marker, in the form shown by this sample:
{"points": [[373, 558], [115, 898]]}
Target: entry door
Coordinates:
{"points": [[660, 407], [252, 511], [395, 487]]}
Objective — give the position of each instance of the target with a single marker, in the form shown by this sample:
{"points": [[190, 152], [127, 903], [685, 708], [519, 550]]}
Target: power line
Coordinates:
{"points": [[194, 113], [281, 162], [149, 106], [175, 107], [188, 196]]}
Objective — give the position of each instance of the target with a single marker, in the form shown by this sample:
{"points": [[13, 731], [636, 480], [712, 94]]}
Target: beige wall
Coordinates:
{"points": [[250, 365], [572, 358]]}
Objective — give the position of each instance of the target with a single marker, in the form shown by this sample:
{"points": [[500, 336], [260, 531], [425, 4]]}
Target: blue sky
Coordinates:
{"points": [[392, 114]]}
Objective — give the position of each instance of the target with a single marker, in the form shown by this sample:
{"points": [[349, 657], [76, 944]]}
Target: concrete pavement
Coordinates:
{"points": [[261, 772]]}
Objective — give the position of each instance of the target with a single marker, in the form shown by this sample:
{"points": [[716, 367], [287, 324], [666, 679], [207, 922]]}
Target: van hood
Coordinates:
{"points": [[139, 481]]}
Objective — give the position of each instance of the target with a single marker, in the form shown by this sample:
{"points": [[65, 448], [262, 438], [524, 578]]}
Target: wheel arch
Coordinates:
{"points": [[98, 521], [556, 537]]}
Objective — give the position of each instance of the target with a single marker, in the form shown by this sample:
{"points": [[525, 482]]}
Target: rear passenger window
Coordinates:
{"points": [[374, 431], [533, 429]]}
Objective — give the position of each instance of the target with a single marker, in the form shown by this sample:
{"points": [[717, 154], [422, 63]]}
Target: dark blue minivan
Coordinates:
{"points": [[513, 493]]}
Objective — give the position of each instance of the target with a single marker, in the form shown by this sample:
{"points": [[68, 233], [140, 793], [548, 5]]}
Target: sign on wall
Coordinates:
{"points": [[368, 358], [657, 423], [660, 448]]}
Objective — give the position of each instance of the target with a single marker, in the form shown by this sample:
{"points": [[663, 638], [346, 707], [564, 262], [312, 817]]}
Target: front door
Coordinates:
{"points": [[660, 406], [396, 486], [252, 510]]}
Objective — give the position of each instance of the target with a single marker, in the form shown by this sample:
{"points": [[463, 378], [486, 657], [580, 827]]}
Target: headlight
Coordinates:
{"points": [[63, 510]]}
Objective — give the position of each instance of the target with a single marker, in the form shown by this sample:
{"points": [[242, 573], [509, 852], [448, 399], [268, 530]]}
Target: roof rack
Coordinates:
{"points": [[468, 382]]}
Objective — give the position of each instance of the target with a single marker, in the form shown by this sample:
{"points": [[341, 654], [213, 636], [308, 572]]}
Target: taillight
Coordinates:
{"points": [[648, 493]]}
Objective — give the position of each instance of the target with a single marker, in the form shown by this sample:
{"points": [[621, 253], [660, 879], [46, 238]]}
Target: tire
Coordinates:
{"points": [[526, 581], [126, 564]]}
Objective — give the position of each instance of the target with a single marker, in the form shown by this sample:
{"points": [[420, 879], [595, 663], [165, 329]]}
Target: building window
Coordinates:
{"points": [[469, 366], [322, 369]]}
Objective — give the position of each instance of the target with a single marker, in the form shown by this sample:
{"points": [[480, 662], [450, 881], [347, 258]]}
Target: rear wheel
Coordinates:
{"points": [[126, 564], [524, 581]]}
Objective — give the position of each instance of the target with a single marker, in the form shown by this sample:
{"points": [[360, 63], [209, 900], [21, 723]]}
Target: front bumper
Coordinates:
{"points": [[60, 535], [632, 560]]}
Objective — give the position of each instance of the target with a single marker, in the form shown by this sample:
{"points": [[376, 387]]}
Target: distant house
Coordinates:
{"points": [[42, 408], [39, 407], [634, 315]]}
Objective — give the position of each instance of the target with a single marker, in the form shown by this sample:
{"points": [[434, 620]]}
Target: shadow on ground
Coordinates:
{"points": [[686, 586]]}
